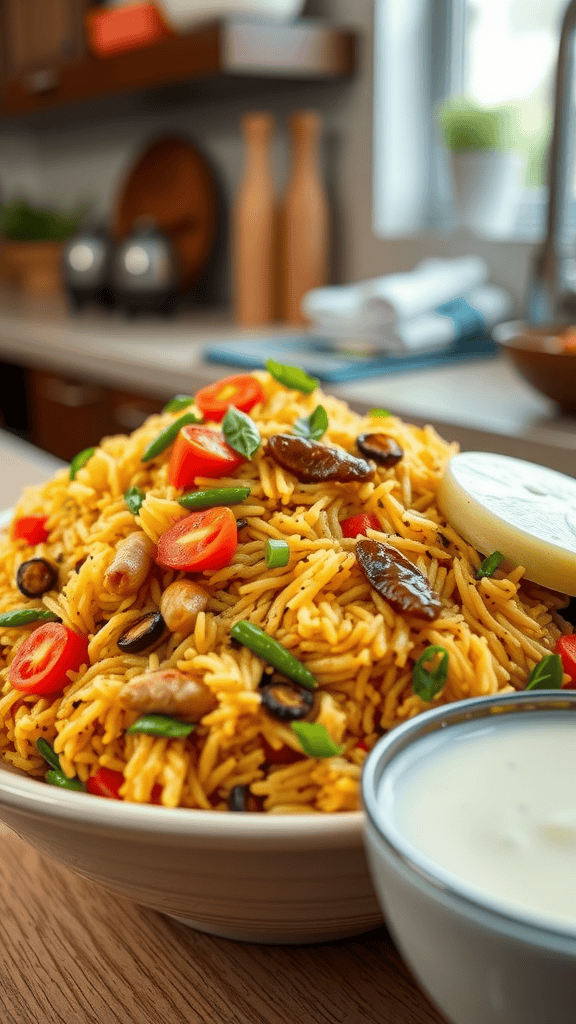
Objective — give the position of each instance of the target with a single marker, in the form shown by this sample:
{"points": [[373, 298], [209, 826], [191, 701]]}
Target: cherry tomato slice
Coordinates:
{"points": [[358, 526], [105, 782], [566, 648], [31, 529], [204, 540], [199, 451], [244, 392], [41, 663]]}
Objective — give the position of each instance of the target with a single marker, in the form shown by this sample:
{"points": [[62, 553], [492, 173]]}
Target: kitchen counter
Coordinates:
{"points": [[482, 404]]}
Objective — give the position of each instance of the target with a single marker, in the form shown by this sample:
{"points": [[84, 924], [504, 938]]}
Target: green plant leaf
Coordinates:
{"points": [[315, 739], [547, 674], [313, 426], [241, 432], [427, 682]]}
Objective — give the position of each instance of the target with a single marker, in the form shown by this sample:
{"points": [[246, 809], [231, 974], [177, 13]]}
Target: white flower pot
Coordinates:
{"points": [[488, 188], [182, 15]]}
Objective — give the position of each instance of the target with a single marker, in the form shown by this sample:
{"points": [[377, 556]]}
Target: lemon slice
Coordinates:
{"points": [[528, 512]]}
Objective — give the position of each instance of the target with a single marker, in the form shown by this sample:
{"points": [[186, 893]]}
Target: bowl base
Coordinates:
{"points": [[269, 937]]}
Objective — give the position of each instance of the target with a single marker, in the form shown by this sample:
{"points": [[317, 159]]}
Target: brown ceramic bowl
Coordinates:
{"points": [[538, 354]]}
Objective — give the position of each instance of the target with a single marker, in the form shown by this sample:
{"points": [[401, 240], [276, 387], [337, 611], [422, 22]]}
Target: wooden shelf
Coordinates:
{"points": [[305, 50]]}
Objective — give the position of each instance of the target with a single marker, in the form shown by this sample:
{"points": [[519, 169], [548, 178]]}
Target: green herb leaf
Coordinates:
{"points": [[241, 432], [80, 460], [379, 413], [277, 553], [58, 778], [270, 650], [315, 739], [427, 683], [292, 377], [489, 565], [178, 402], [214, 497], [134, 498], [160, 443], [312, 426], [48, 753], [547, 674], [26, 616], [161, 725]]}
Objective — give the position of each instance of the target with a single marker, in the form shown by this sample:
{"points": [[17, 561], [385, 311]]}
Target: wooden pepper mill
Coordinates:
{"points": [[253, 218], [304, 218]]}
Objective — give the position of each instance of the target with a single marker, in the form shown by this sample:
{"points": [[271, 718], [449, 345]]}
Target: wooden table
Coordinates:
{"points": [[72, 953]]}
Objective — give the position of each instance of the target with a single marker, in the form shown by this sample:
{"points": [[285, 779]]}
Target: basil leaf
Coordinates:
{"points": [[489, 565], [312, 426], [48, 753], [292, 377], [547, 674], [134, 499], [379, 413], [241, 432], [26, 616], [427, 683], [161, 725], [315, 739], [177, 403], [80, 460]]}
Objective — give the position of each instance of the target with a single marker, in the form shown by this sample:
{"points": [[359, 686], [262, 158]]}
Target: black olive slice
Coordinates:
{"points": [[142, 634], [240, 524], [380, 449], [35, 577], [285, 702], [238, 799]]}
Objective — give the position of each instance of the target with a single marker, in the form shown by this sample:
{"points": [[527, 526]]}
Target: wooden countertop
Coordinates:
{"points": [[74, 954]]}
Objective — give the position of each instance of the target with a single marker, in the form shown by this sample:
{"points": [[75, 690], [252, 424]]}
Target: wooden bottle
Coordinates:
{"points": [[252, 227], [304, 218]]}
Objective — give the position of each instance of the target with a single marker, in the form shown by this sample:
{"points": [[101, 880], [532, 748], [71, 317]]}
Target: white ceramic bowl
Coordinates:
{"points": [[478, 960]]}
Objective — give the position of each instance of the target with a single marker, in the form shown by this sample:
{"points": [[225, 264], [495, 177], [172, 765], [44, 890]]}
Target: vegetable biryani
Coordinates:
{"points": [[226, 609]]}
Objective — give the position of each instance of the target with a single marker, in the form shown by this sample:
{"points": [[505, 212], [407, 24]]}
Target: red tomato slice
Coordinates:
{"points": [[244, 392], [105, 782], [199, 451], [31, 529], [566, 648], [203, 540], [41, 663], [358, 526]]}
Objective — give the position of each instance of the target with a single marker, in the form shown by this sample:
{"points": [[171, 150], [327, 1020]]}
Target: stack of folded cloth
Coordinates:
{"points": [[434, 306]]}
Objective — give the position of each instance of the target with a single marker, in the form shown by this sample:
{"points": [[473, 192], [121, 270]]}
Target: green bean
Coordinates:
{"points": [[177, 403], [161, 725], [58, 778], [489, 565], [160, 443], [80, 460], [216, 496], [25, 616], [48, 753], [270, 650], [277, 553]]}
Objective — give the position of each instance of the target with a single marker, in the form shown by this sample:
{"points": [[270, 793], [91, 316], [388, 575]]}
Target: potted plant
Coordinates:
{"points": [[488, 168], [33, 238]]}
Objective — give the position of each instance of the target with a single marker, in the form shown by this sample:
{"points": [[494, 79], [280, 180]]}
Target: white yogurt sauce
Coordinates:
{"points": [[494, 803]]}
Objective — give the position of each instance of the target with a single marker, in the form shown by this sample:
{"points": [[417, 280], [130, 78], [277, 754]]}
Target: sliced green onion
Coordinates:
{"points": [[271, 651], [313, 426], [426, 682], [25, 616], [214, 497], [489, 565], [547, 674], [58, 778], [277, 553], [292, 377], [241, 432], [48, 753], [178, 402], [315, 739], [379, 413], [134, 499], [160, 443], [161, 725], [80, 460]]}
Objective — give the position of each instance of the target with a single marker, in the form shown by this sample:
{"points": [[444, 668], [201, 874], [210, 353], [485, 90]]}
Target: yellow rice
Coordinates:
{"points": [[320, 607]]}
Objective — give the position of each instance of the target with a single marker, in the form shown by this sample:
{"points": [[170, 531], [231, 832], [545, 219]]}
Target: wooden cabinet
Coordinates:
{"points": [[40, 35]]}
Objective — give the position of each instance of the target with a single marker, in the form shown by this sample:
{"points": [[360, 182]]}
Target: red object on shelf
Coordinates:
{"points": [[124, 28]]}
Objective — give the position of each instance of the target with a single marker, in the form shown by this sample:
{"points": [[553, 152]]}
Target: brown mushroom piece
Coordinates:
{"points": [[181, 603], [397, 580], [130, 565], [311, 462], [35, 577], [168, 692], [383, 450]]}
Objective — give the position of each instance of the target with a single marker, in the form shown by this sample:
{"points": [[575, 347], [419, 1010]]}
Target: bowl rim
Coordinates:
{"points": [[444, 885], [508, 333]]}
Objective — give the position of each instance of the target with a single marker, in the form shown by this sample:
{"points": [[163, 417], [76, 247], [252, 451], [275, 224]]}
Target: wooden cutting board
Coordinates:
{"points": [[173, 184]]}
